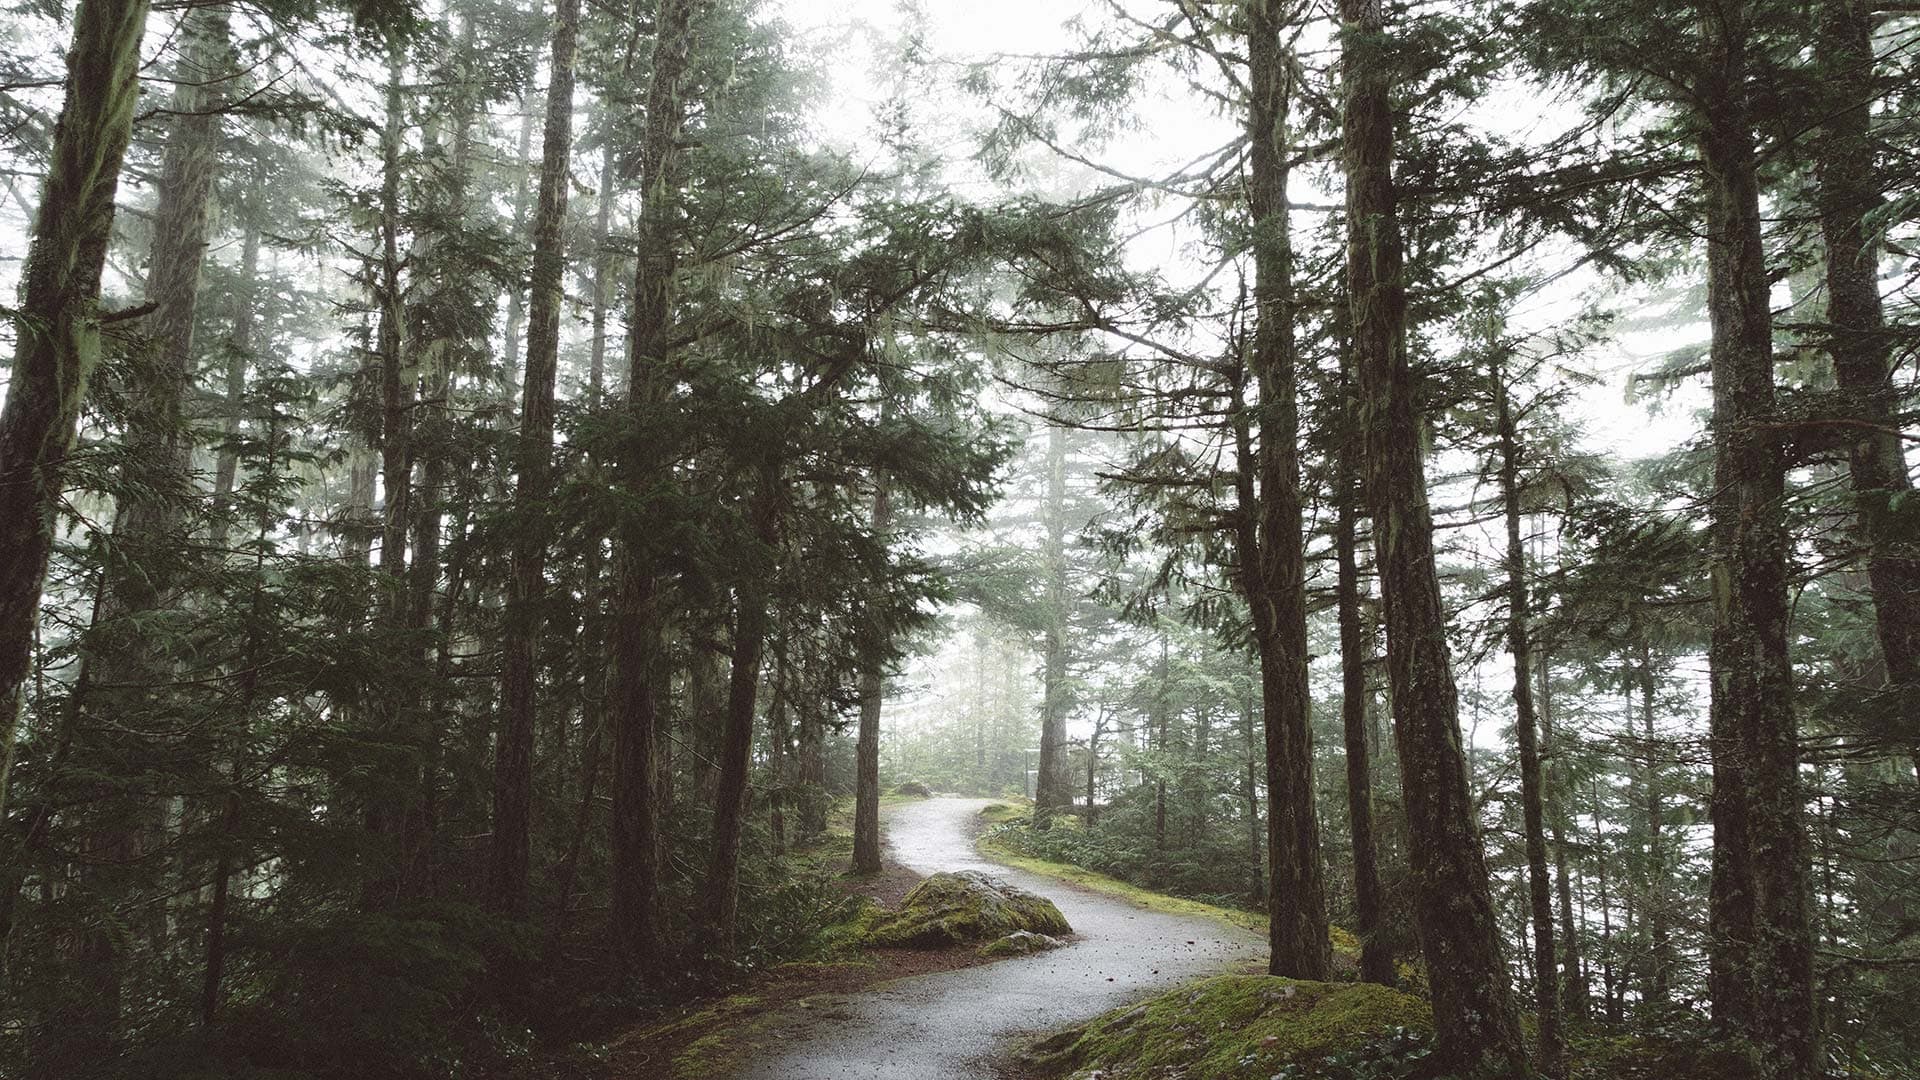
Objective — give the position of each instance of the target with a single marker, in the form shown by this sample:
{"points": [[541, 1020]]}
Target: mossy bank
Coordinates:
{"points": [[1242, 1027]]}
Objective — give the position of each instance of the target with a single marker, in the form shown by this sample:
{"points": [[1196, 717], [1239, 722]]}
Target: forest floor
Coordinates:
{"points": [[953, 1018]]}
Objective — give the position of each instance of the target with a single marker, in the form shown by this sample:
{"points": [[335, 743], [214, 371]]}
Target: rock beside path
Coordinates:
{"points": [[954, 908], [1020, 943]]}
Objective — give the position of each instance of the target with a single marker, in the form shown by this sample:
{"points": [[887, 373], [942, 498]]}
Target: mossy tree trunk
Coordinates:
{"points": [[1475, 1023], [57, 323], [526, 585], [1356, 652], [1847, 196], [1272, 561], [1759, 945], [637, 642]]}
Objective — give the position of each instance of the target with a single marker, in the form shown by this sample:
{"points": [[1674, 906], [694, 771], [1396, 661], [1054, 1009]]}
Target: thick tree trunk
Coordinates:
{"points": [[1759, 944], [126, 824], [1552, 1046], [1847, 195], [866, 790], [637, 639], [1273, 563], [1356, 652], [1475, 1023], [526, 585], [1051, 790]]}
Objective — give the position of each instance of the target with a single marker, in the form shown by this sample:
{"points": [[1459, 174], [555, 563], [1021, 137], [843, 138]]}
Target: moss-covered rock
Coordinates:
{"points": [[1020, 943], [948, 909], [914, 789], [1232, 1027]]}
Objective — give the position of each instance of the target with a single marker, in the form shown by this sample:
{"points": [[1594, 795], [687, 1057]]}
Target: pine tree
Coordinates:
{"points": [[1473, 1014]]}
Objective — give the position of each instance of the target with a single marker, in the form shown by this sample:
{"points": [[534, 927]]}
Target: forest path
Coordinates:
{"points": [[952, 1025]]}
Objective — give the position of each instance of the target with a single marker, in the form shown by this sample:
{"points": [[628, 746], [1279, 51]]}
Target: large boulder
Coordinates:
{"points": [[948, 909]]}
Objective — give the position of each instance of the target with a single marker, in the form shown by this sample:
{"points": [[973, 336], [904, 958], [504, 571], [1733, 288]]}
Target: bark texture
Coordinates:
{"points": [[57, 323], [752, 597], [526, 586], [1552, 1045], [637, 634], [1848, 193], [1475, 1023], [1273, 563], [873, 684], [1759, 949], [1356, 652]]}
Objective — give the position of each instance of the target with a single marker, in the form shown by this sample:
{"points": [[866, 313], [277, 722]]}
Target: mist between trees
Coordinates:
{"points": [[480, 481]]}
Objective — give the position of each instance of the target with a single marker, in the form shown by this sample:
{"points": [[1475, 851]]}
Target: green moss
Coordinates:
{"points": [[1020, 943], [1001, 813], [1231, 1027], [967, 906]]}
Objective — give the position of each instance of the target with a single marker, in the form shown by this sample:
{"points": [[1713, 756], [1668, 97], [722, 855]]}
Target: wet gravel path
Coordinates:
{"points": [[952, 1025]]}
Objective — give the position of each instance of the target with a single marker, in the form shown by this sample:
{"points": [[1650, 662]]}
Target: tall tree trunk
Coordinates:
{"points": [[602, 274], [1475, 1022], [226, 471], [1051, 791], [1573, 972], [522, 177], [126, 823], [213, 970], [1553, 1047], [1273, 563], [1356, 652], [779, 738], [526, 585], [1659, 931], [392, 813], [866, 790], [637, 639], [1759, 946], [1847, 196], [1608, 997], [1250, 794], [721, 907], [1093, 764]]}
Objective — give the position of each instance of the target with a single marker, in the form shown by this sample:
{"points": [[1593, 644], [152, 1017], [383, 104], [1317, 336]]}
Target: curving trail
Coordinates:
{"points": [[952, 1025]]}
